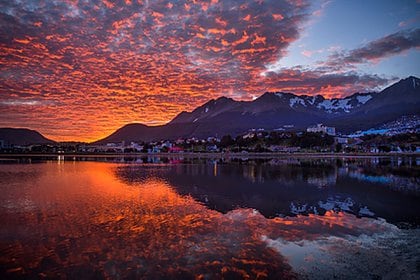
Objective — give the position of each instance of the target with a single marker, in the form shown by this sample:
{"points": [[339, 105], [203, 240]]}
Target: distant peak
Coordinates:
{"points": [[224, 98], [267, 93], [273, 95], [415, 81], [134, 125], [409, 82], [265, 96], [411, 79]]}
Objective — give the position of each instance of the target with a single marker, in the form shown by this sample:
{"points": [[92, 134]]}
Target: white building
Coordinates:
{"points": [[322, 128], [342, 140]]}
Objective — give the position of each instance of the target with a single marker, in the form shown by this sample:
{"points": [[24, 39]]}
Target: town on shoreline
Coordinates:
{"points": [[316, 140]]}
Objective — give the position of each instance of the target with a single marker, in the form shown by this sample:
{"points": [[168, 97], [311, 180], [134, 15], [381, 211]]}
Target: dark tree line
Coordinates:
{"points": [[306, 140]]}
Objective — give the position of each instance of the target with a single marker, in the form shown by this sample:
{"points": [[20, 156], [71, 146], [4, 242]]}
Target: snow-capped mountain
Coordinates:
{"points": [[280, 110], [317, 104]]}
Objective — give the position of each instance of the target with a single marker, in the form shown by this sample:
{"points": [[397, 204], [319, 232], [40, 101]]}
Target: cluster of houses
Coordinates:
{"points": [[209, 145], [213, 144], [320, 128]]}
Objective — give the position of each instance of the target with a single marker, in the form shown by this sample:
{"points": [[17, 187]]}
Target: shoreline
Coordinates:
{"points": [[215, 155]]}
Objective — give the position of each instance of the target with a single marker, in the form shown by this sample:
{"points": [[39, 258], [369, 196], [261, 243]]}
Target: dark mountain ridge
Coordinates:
{"points": [[281, 110], [270, 111]]}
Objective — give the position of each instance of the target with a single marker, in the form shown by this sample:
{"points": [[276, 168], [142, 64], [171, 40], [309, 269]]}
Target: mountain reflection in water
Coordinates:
{"points": [[364, 187], [192, 220]]}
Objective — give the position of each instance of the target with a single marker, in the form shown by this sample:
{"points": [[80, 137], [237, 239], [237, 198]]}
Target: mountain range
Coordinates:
{"points": [[271, 111], [282, 111]]}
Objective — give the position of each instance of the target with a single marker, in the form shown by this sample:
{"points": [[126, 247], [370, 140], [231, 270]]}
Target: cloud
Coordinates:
{"points": [[408, 22], [377, 50], [337, 75], [85, 68], [310, 53], [117, 62], [302, 80], [20, 102], [307, 53]]}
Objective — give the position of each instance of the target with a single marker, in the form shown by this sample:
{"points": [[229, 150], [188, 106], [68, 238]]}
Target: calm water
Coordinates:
{"points": [[151, 218]]}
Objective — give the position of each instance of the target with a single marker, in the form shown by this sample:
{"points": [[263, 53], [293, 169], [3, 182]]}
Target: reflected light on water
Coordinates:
{"points": [[79, 219], [83, 221]]}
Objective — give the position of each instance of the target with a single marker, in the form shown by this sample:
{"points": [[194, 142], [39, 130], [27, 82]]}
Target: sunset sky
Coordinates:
{"points": [[78, 70]]}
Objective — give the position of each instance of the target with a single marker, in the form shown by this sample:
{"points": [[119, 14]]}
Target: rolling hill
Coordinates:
{"points": [[22, 136]]}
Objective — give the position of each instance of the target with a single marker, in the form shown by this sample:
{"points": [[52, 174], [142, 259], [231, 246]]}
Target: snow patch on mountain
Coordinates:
{"points": [[364, 211], [404, 124], [279, 94], [298, 209], [331, 105], [311, 100], [206, 110], [334, 203], [363, 98], [296, 100]]}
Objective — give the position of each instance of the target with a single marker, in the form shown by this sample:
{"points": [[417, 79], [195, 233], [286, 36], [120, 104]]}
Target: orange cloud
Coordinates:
{"points": [[85, 69]]}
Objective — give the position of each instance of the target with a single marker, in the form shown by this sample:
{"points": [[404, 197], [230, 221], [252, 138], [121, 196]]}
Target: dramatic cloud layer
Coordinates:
{"points": [[80, 69], [318, 80], [377, 50]]}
